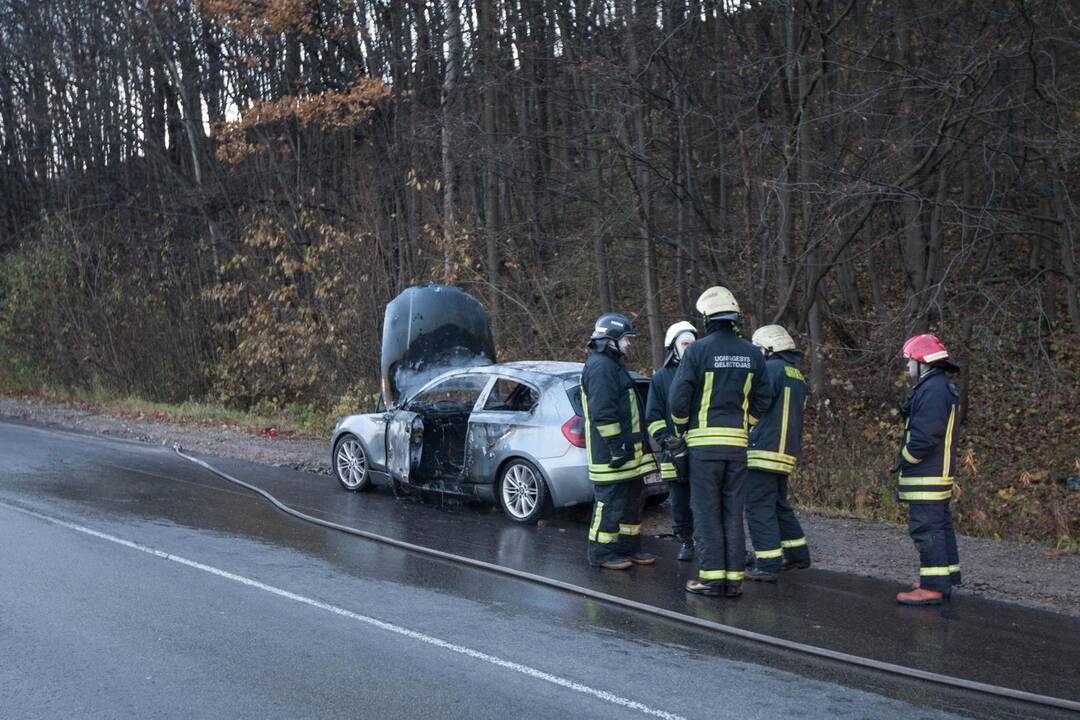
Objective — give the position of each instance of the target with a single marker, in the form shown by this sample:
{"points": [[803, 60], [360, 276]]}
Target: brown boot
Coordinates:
{"points": [[919, 596], [704, 588], [917, 584]]}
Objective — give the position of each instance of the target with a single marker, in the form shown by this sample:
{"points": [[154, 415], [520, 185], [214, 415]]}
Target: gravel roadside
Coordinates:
{"points": [[1002, 570]]}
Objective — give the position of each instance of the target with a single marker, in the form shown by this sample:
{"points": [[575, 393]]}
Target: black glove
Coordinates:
{"points": [[618, 461], [895, 469], [675, 446]]}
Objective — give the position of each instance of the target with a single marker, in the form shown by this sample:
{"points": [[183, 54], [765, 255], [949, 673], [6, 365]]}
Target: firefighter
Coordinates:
{"points": [[927, 465], [719, 385], [673, 468], [615, 445], [778, 539]]}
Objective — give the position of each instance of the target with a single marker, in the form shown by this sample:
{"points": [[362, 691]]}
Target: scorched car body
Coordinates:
{"points": [[509, 433]]}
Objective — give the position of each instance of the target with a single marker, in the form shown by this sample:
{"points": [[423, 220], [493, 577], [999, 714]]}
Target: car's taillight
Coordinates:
{"points": [[574, 431]]}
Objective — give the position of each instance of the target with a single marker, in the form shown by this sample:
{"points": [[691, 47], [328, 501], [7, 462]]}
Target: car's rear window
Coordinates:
{"points": [[511, 395], [573, 393]]}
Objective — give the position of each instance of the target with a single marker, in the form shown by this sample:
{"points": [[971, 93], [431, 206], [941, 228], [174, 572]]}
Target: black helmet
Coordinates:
{"points": [[612, 326]]}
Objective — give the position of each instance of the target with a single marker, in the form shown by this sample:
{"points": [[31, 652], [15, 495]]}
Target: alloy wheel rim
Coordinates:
{"points": [[520, 491], [351, 464]]}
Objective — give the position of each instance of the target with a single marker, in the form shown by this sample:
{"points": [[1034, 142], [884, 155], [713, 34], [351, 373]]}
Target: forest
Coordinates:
{"points": [[215, 199]]}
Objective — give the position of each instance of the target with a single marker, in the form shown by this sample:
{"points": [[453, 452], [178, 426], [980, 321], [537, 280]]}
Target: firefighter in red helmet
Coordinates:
{"points": [[927, 466]]}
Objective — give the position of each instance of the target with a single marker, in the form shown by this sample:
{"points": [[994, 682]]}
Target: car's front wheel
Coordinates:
{"points": [[351, 464], [522, 492]]}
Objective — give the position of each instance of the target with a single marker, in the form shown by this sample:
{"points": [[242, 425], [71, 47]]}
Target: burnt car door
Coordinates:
{"points": [[425, 439], [505, 424], [404, 438]]}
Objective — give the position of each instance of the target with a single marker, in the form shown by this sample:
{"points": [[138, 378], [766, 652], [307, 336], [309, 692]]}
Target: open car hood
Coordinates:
{"points": [[429, 330]]}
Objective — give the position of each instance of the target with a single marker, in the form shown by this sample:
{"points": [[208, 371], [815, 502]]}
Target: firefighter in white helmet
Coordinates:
{"points": [[720, 383], [673, 462], [775, 442]]}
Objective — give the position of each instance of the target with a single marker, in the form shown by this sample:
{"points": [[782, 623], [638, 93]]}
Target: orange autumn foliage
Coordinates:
{"points": [[329, 110]]}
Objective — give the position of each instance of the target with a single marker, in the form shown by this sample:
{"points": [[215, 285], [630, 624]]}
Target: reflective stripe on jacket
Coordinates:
{"points": [[613, 420], [776, 440], [928, 455], [719, 385]]}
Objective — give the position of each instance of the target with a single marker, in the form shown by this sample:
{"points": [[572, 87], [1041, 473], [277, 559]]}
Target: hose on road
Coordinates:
{"points": [[790, 645]]}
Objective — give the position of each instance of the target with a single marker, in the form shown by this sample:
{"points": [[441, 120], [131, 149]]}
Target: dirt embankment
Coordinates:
{"points": [[1002, 570]]}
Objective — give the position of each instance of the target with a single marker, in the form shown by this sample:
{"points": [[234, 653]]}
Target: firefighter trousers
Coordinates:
{"points": [[717, 494], [774, 530], [931, 527], [682, 517], [615, 528]]}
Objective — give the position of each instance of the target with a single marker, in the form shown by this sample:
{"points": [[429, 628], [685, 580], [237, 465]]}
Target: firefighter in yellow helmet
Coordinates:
{"points": [[719, 385], [775, 442]]}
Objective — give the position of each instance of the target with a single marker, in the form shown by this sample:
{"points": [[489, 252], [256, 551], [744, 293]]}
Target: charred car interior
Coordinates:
{"points": [[444, 412]]}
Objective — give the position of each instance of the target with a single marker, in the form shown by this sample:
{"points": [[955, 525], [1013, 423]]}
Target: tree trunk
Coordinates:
{"points": [[641, 180], [1066, 240], [485, 10], [913, 210], [450, 103]]}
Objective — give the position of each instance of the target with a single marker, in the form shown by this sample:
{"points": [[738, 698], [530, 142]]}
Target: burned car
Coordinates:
{"points": [[509, 433]]}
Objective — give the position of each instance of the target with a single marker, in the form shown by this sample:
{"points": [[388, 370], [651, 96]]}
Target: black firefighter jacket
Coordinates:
{"points": [[658, 418], [719, 385], [776, 440], [613, 420], [928, 455]]}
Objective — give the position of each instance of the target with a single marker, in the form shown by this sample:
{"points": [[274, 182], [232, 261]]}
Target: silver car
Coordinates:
{"points": [[510, 433]]}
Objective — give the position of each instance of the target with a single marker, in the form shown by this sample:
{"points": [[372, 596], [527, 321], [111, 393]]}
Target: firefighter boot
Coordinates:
{"points": [[759, 575], [919, 596], [617, 563], [917, 584], [641, 557], [733, 589], [796, 564], [704, 588], [686, 546]]}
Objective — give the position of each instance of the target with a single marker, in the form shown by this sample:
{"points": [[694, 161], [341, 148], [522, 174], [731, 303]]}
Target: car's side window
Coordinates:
{"points": [[511, 395], [456, 393]]}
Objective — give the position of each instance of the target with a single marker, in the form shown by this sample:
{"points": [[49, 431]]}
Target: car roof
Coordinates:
{"points": [[539, 370], [554, 368]]}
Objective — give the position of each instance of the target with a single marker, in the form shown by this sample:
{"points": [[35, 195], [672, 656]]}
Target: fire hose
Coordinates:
{"points": [[615, 600]]}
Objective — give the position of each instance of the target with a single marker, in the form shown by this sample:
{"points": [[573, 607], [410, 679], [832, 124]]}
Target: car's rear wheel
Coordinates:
{"points": [[351, 464], [523, 495]]}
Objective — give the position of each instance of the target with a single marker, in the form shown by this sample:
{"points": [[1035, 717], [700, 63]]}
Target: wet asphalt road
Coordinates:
{"points": [[255, 614]]}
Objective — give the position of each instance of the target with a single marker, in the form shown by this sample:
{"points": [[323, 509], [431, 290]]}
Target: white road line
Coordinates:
{"points": [[389, 627]]}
